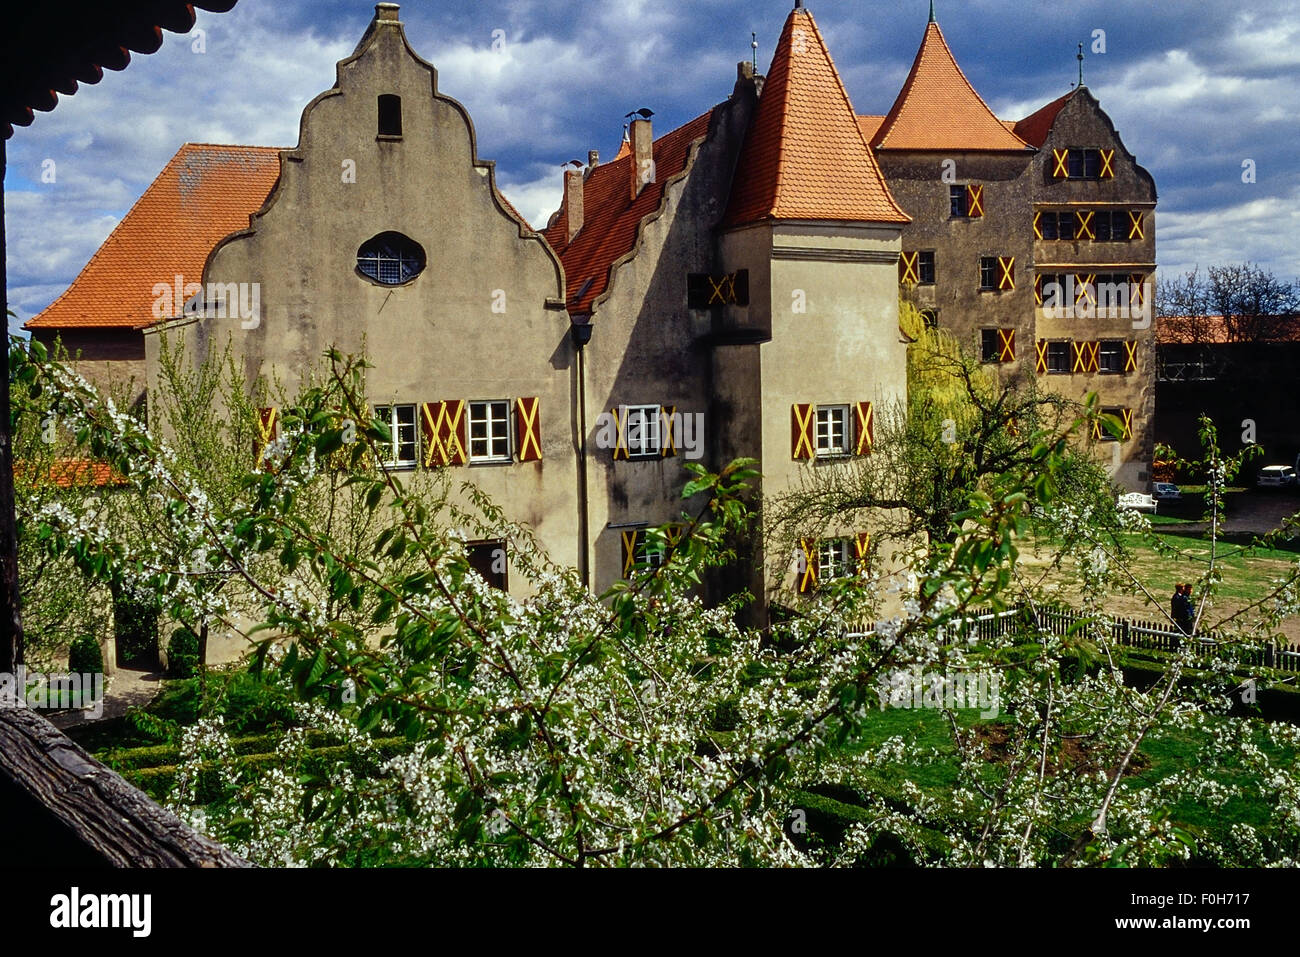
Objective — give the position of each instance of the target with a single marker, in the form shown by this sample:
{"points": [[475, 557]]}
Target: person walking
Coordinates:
{"points": [[1183, 609]]}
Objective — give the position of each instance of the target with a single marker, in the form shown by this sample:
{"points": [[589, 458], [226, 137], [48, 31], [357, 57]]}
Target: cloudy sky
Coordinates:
{"points": [[1195, 88]]}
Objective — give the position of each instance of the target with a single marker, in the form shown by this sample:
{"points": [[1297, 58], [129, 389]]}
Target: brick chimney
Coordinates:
{"points": [[643, 163], [573, 180]]}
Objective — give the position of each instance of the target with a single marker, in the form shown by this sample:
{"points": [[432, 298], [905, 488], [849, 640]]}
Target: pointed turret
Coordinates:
{"points": [[804, 155], [938, 109]]}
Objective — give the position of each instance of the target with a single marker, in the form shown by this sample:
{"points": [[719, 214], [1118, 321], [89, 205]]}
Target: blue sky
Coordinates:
{"points": [[1194, 87]]}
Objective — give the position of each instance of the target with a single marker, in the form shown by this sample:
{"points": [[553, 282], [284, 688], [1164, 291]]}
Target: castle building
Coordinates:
{"points": [[727, 289]]}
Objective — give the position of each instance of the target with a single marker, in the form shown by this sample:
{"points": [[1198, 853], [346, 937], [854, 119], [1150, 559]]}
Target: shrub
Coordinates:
{"points": [[183, 653], [84, 655]]}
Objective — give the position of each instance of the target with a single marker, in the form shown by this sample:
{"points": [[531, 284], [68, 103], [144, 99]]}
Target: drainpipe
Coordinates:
{"points": [[580, 333]]}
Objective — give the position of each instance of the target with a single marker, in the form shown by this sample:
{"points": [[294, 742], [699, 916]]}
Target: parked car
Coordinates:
{"points": [[1276, 476], [1138, 501], [1166, 492]]}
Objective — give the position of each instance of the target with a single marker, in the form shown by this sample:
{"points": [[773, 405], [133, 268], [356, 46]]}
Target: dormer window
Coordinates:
{"points": [[390, 259], [390, 114]]}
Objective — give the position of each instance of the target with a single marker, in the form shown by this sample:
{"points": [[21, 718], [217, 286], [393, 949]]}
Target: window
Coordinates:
{"points": [[833, 559], [401, 450], [642, 426], [489, 560], [1125, 418], [931, 317], [925, 266], [990, 348], [390, 114], [832, 430], [957, 206], [1084, 164], [390, 259], [1047, 226], [988, 272], [489, 431], [1058, 357], [1111, 356]]}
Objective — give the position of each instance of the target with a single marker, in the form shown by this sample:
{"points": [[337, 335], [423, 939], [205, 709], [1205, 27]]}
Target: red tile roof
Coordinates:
{"points": [[1216, 330], [203, 194], [612, 218], [67, 473], [938, 109], [1033, 129], [804, 156]]}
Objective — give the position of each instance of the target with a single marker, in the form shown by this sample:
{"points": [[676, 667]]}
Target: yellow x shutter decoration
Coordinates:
{"points": [[1038, 218], [1006, 272], [802, 422], [1130, 356], [1126, 423], [620, 438], [1135, 218], [862, 550], [1060, 164], [1084, 228], [668, 416], [866, 428], [975, 200], [529, 429], [631, 538], [909, 268], [723, 289], [1085, 289], [1006, 345], [1107, 164], [1040, 363], [808, 581], [1078, 357]]}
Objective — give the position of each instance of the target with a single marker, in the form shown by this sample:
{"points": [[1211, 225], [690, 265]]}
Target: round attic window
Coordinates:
{"points": [[390, 259]]}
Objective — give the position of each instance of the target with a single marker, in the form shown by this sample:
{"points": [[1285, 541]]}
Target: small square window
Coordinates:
{"points": [[1111, 356], [489, 431], [642, 425], [957, 207], [832, 430], [401, 449], [1058, 357], [833, 559], [988, 272], [925, 266]]}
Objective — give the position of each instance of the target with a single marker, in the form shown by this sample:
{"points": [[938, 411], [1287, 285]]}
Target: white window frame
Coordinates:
{"points": [[826, 414], [389, 414], [497, 429], [833, 559], [648, 443]]}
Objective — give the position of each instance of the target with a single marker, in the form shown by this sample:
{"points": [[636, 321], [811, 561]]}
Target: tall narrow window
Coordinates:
{"points": [[390, 114], [400, 450]]}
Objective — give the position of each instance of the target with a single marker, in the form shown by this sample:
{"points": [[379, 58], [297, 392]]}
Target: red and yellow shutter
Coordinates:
{"points": [[1038, 290], [865, 414], [1126, 424], [862, 551], [528, 428], [1093, 351], [445, 433], [1137, 295], [909, 269], [1038, 229], [1107, 164], [1085, 289], [1006, 273], [1078, 357], [1083, 224], [1060, 164], [1135, 221], [1040, 360], [632, 538], [974, 200], [1006, 345], [801, 431], [620, 432], [1130, 356], [268, 430], [668, 431], [808, 580]]}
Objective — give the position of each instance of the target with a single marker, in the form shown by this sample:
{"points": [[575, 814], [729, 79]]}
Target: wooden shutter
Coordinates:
{"points": [[620, 432], [528, 429], [801, 431], [1040, 361], [808, 580], [1078, 357], [866, 423], [1093, 352], [1130, 356], [1085, 289], [1006, 273], [1107, 164], [1038, 290], [975, 200], [1137, 290], [667, 431], [909, 269], [1083, 224], [632, 539], [1006, 345], [268, 430], [1126, 424], [1135, 218], [1038, 228], [445, 431], [862, 550], [1060, 164]]}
